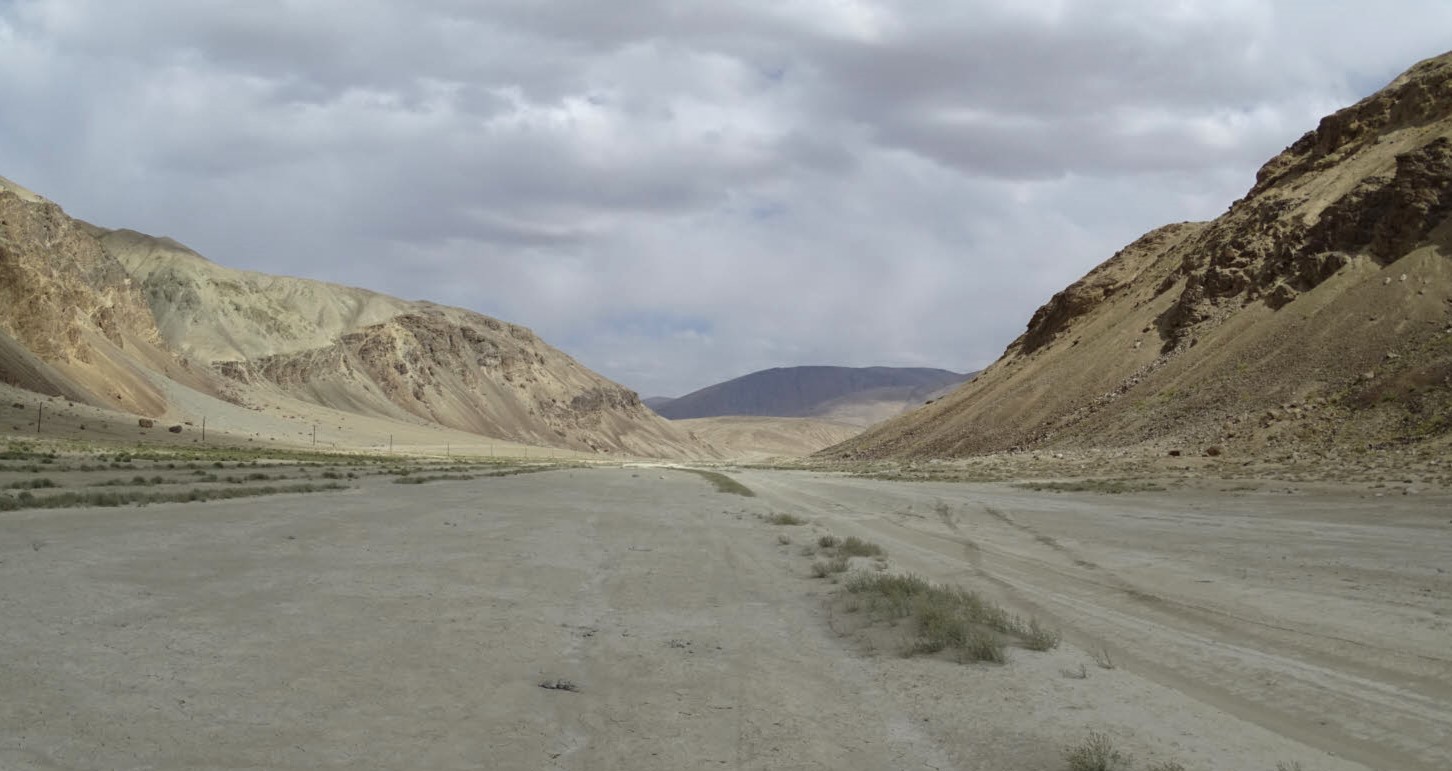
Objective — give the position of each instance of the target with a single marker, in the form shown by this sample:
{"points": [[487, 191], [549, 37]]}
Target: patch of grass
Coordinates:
{"points": [[827, 541], [1103, 658], [824, 568], [950, 618], [852, 546], [723, 483], [1294, 765], [70, 500], [137, 481], [1096, 753], [412, 480], [784, 539], [1037, 637], [1166, 765], [32, 484], [785, 519]]}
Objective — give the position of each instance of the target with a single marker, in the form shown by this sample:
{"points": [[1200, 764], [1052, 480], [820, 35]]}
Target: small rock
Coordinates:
{"points": [[1386, 281], [1368, 375], [145, 422], [175, 429], [1403, 278]]}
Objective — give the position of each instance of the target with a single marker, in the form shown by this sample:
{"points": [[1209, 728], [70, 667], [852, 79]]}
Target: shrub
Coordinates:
{"points": [[853, 546], [1096, 753], [827, 541], [824, 568], [785, 519], [1038, 637]]}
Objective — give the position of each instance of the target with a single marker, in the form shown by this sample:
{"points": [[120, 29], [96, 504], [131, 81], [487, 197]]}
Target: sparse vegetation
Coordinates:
{"points": [[824, 568], [68, 500], [827, 541], [419, 480], [32, 484], [1102, 486], [1166, 765], [1038, 637], [852, 546], [1096, 753], [1103, 658], [785, 519], [723, 483], [950, 618]]}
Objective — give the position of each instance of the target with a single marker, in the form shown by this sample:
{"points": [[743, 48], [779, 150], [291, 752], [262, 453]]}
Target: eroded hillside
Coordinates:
{"points": [[1313, 315], [120, 319]]}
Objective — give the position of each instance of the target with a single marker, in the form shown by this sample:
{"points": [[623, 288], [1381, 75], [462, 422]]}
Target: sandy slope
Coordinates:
{"points": [[395, 627], [752, 438]]}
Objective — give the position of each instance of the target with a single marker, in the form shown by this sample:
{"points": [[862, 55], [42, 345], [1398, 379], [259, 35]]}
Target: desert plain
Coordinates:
{"points": [[635, 616]]}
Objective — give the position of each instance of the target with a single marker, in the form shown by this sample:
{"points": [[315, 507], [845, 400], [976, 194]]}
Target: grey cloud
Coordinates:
{"points": [[807, 181]]}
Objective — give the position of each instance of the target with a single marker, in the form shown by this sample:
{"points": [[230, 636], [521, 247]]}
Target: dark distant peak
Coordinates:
{"points": [[804, 391]]}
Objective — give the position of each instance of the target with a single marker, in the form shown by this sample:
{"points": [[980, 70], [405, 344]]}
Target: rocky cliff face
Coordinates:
{"points": [[1312, 314], [70, 310]]}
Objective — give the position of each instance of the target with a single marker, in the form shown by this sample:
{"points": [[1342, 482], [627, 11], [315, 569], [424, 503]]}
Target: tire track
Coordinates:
{"points": [[1266, 672]]}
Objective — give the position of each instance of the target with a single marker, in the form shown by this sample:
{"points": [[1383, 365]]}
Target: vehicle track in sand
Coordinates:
{"points": [[1361, 678]]}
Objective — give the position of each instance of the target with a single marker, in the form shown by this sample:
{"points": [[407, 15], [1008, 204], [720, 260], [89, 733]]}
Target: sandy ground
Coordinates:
{"points": [[411, 627], [276, 422], [754, 439]]}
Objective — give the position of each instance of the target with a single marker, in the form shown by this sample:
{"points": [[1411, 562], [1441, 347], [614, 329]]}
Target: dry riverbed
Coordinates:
{"points": [[638, 618]]}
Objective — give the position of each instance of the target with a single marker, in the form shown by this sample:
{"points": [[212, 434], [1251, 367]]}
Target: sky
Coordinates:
{"points": [[678, 193]]}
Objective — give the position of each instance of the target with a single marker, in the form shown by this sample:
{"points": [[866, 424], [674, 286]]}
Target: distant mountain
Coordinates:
{"points": [[856, 395], [1315, 315]]}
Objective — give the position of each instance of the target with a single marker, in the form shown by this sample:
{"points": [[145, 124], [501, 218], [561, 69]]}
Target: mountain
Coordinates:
{"points": [[1315, 314], [120, 319], [858, 396]]}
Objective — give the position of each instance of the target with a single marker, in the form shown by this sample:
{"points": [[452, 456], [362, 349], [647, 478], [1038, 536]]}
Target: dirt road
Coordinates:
{"points": [[412, 627]]}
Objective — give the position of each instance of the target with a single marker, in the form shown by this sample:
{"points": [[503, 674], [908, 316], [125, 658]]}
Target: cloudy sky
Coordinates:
{"points": [[677, 193]]}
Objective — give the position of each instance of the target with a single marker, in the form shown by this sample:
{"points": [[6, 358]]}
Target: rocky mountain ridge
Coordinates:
{"points": [[117, 318], [1313, 315]]}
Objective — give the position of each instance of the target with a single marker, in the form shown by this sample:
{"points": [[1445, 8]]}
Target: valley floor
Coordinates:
{"points": [[401, 626]]}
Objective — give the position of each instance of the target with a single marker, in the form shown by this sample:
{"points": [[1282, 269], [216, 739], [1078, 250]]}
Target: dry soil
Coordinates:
{"points": [[412, 627]]}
